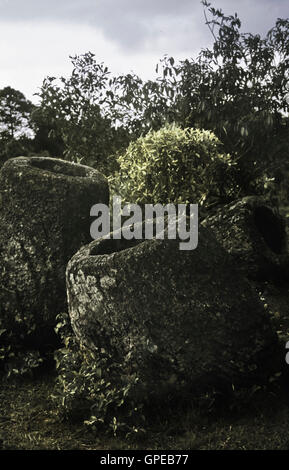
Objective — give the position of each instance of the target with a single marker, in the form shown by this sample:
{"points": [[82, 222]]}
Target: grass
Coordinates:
{"points": [[29, 420]]}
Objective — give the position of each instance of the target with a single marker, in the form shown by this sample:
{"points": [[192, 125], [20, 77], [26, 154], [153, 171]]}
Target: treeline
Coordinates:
{"points": [[238, 89]]}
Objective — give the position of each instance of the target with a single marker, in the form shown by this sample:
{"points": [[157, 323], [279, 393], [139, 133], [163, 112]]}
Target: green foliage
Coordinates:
{"points": [[15, 112], [90, 387], [10, 148], [47, 136], [78, 111], [14, 361], [23, 364], [175, 165], [96, 115], [239, 90], [17, 360], [15, 124]]}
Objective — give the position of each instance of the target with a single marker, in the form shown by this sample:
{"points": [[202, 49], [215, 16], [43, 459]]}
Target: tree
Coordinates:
{"points": [[97, 115], [47, 137], [71, 108], [15, 112], [239, 90], [15, 127]]}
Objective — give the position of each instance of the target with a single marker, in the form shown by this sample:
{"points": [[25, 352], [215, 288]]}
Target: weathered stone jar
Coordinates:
{"points": [[253, 232], [45, 219], [175, 319]]}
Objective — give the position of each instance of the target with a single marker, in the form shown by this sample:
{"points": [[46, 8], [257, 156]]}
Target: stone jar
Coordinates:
{"points": [[174, 319], [45, 219], [254, 233]]}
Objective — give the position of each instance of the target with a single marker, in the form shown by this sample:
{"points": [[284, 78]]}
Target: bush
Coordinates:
{"points": [[175, 165], [89, 388], [93, 389]]}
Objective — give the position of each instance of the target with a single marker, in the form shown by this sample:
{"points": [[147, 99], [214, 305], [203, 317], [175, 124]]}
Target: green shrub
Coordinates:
{"points": [[91, 388], [175, 165], [15, 358]]}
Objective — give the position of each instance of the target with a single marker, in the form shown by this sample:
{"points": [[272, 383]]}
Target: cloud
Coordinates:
{"points": [[127, 22], [257, 16], [30, 51], [137, 24], [37, 36], [79, 9]]}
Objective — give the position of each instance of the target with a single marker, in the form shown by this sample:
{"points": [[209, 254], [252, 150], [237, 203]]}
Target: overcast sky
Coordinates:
{"points": [[37, 36]]}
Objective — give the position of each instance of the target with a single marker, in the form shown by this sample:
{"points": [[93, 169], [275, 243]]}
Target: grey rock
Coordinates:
{"points": [[175, 319], [254, 233], [45, 219]]}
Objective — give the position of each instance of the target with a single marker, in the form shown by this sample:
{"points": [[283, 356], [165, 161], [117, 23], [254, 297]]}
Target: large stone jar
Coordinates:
{"points": [[254, 233], [45, 219], [173, 319]]}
